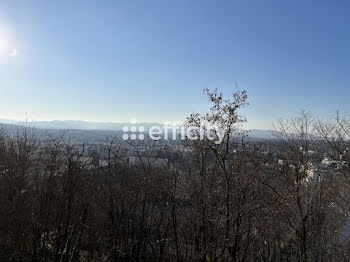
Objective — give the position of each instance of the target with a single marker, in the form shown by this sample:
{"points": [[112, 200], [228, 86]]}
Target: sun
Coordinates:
{"points": [[6, 48]]}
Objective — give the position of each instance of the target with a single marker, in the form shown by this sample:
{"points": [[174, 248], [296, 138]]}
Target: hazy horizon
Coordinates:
{"points": [[97, 125]]}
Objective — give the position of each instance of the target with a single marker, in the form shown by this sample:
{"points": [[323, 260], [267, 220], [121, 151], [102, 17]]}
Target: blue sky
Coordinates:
{"points": [[150, 60]]}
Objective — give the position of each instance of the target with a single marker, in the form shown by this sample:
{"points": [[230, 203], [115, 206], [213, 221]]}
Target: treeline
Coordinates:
{"points": [[281, 200]]}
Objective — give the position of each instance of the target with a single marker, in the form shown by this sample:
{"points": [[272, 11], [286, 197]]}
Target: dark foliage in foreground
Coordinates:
{"points": [[236, 201]]}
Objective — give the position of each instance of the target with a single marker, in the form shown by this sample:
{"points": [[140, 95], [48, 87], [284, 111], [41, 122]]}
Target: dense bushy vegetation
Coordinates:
{"points": [[281, 200]]}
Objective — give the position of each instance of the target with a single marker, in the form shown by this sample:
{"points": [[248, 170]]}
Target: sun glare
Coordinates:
{"points": [[6, 48], [14, 52]]}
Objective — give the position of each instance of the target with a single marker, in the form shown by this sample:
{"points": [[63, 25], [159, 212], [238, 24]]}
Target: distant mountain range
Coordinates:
{"points": [[108, 126], [77, 124]]}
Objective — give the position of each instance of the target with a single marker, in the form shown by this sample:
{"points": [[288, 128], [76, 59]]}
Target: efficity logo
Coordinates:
{"points": [[173, 131], [133, 129]]}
